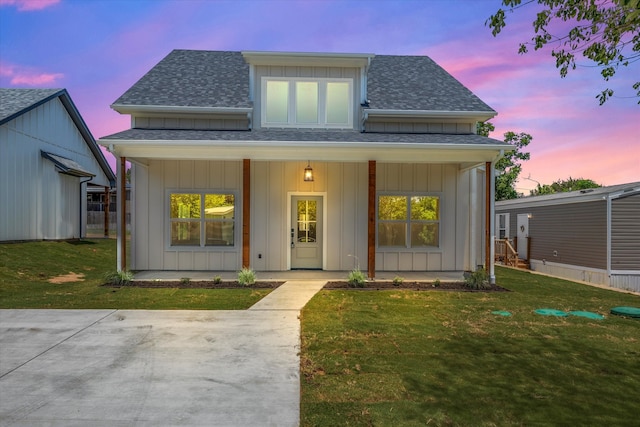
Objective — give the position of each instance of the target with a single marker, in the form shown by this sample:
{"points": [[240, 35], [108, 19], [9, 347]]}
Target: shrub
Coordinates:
{"points": [[217, 280], [119, 277], [397, 281], [246, 277], [478, 279], [185, 280], [356, 278], [436, 283]]}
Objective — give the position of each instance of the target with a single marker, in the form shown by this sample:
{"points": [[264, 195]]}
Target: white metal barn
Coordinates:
{"points": [[47, 158]]}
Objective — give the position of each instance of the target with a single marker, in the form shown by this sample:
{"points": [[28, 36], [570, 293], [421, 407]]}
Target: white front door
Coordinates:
{"points": [[306, 232], [523, 235]]}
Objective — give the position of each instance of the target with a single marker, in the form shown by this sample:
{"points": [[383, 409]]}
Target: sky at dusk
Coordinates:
{"points": [[97, 49]]}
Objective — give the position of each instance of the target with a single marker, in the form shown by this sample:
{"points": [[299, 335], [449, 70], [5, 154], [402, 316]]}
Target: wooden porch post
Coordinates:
{"points": [[371, 226], [106, 207], [246, 213]]}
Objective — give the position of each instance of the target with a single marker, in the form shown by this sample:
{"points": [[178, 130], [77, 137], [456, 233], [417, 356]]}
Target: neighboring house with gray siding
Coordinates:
{"points": [[47, 158], [589, 235], [280, 161]]}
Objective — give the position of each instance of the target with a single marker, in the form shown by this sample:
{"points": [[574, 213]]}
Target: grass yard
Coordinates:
{"points": [[27, 268], [411, 358]]}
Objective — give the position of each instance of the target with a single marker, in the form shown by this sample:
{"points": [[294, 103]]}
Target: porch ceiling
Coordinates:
{"points": [[295, 145]]}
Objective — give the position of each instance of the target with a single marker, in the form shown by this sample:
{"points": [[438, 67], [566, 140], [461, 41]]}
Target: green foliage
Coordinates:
{"points": [[510, 165], [246, 277], [185, 280], [356, 278], [397, 281], [562, 186], [436, 283], [217, 280], [118, 277], [606, 33], [478, 279]]}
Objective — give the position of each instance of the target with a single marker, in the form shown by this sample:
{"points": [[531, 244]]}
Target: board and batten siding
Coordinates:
{"points": [[454, 189], [37, 202], [272, 183], [345, 187], [178, 122], [574, 234], [307, 71], [150, 220], [625, 233]]}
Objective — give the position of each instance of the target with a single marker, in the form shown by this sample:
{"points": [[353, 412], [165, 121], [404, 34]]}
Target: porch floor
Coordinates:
{"points": [[283, 276]]}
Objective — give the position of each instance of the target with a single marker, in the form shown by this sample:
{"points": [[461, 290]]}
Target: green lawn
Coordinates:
{"points": [[25, 269], [407, 358]]}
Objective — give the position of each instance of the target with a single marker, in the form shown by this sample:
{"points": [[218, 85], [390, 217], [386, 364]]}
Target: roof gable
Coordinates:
{"points": [[16, 102]]}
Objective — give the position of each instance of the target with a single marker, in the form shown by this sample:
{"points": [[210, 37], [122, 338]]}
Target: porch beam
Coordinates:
{"points": [[371, 226], [246, 213]]}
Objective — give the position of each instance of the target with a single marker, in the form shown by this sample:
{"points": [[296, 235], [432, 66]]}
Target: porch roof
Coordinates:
{"points": [[297, 144]]}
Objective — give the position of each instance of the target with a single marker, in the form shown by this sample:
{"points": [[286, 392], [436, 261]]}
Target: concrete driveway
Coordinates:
{"points": [[154, 368]]}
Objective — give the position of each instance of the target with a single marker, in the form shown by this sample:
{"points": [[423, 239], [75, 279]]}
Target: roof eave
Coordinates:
{"points": [[439, 114], [137, 109], [308, 58], [299, 150]]}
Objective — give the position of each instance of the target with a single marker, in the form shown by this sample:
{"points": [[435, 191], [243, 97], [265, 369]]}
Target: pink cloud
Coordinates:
{"points": [[29, 5], [36, 79], [20, 75]]}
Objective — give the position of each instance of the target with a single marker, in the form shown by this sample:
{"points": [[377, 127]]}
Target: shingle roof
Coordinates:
{"points": [[195, 79], [297, 135], [221, 79], [417, 83], [14, 102]]}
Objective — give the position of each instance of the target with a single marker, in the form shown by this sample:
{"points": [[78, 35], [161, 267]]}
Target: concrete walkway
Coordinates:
{"points": [[154, 368]]}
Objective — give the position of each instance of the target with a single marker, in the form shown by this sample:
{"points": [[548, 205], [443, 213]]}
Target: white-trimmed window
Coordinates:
{"points": [[307, 102], [502, 225], [202, 219], [408, 221]]}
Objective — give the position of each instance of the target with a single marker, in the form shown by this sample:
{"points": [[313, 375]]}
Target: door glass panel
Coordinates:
{"points": [[307, 218]]}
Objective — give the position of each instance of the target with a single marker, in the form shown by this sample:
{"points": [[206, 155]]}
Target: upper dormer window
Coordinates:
{"points": [[309, 103]]}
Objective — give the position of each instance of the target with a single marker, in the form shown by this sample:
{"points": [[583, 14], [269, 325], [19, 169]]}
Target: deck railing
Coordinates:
{"points": [[505, 252]]}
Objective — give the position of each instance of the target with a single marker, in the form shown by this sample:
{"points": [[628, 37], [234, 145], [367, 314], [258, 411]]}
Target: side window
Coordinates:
{"points": [[502, 226], [408, 221], [202, 219]]}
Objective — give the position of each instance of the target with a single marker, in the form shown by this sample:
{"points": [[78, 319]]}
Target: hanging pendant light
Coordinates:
{"points": [[308, 172]]}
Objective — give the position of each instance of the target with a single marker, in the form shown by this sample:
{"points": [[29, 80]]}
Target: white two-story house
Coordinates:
{"points": [[279, 161]]}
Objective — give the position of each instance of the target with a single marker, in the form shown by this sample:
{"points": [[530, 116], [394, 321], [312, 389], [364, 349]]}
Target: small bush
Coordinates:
{"points": [[478, 279], [119, 277], [217, 280], [356, 279], [185, 280], [436, 283], [246, 277], [397, 281]]}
